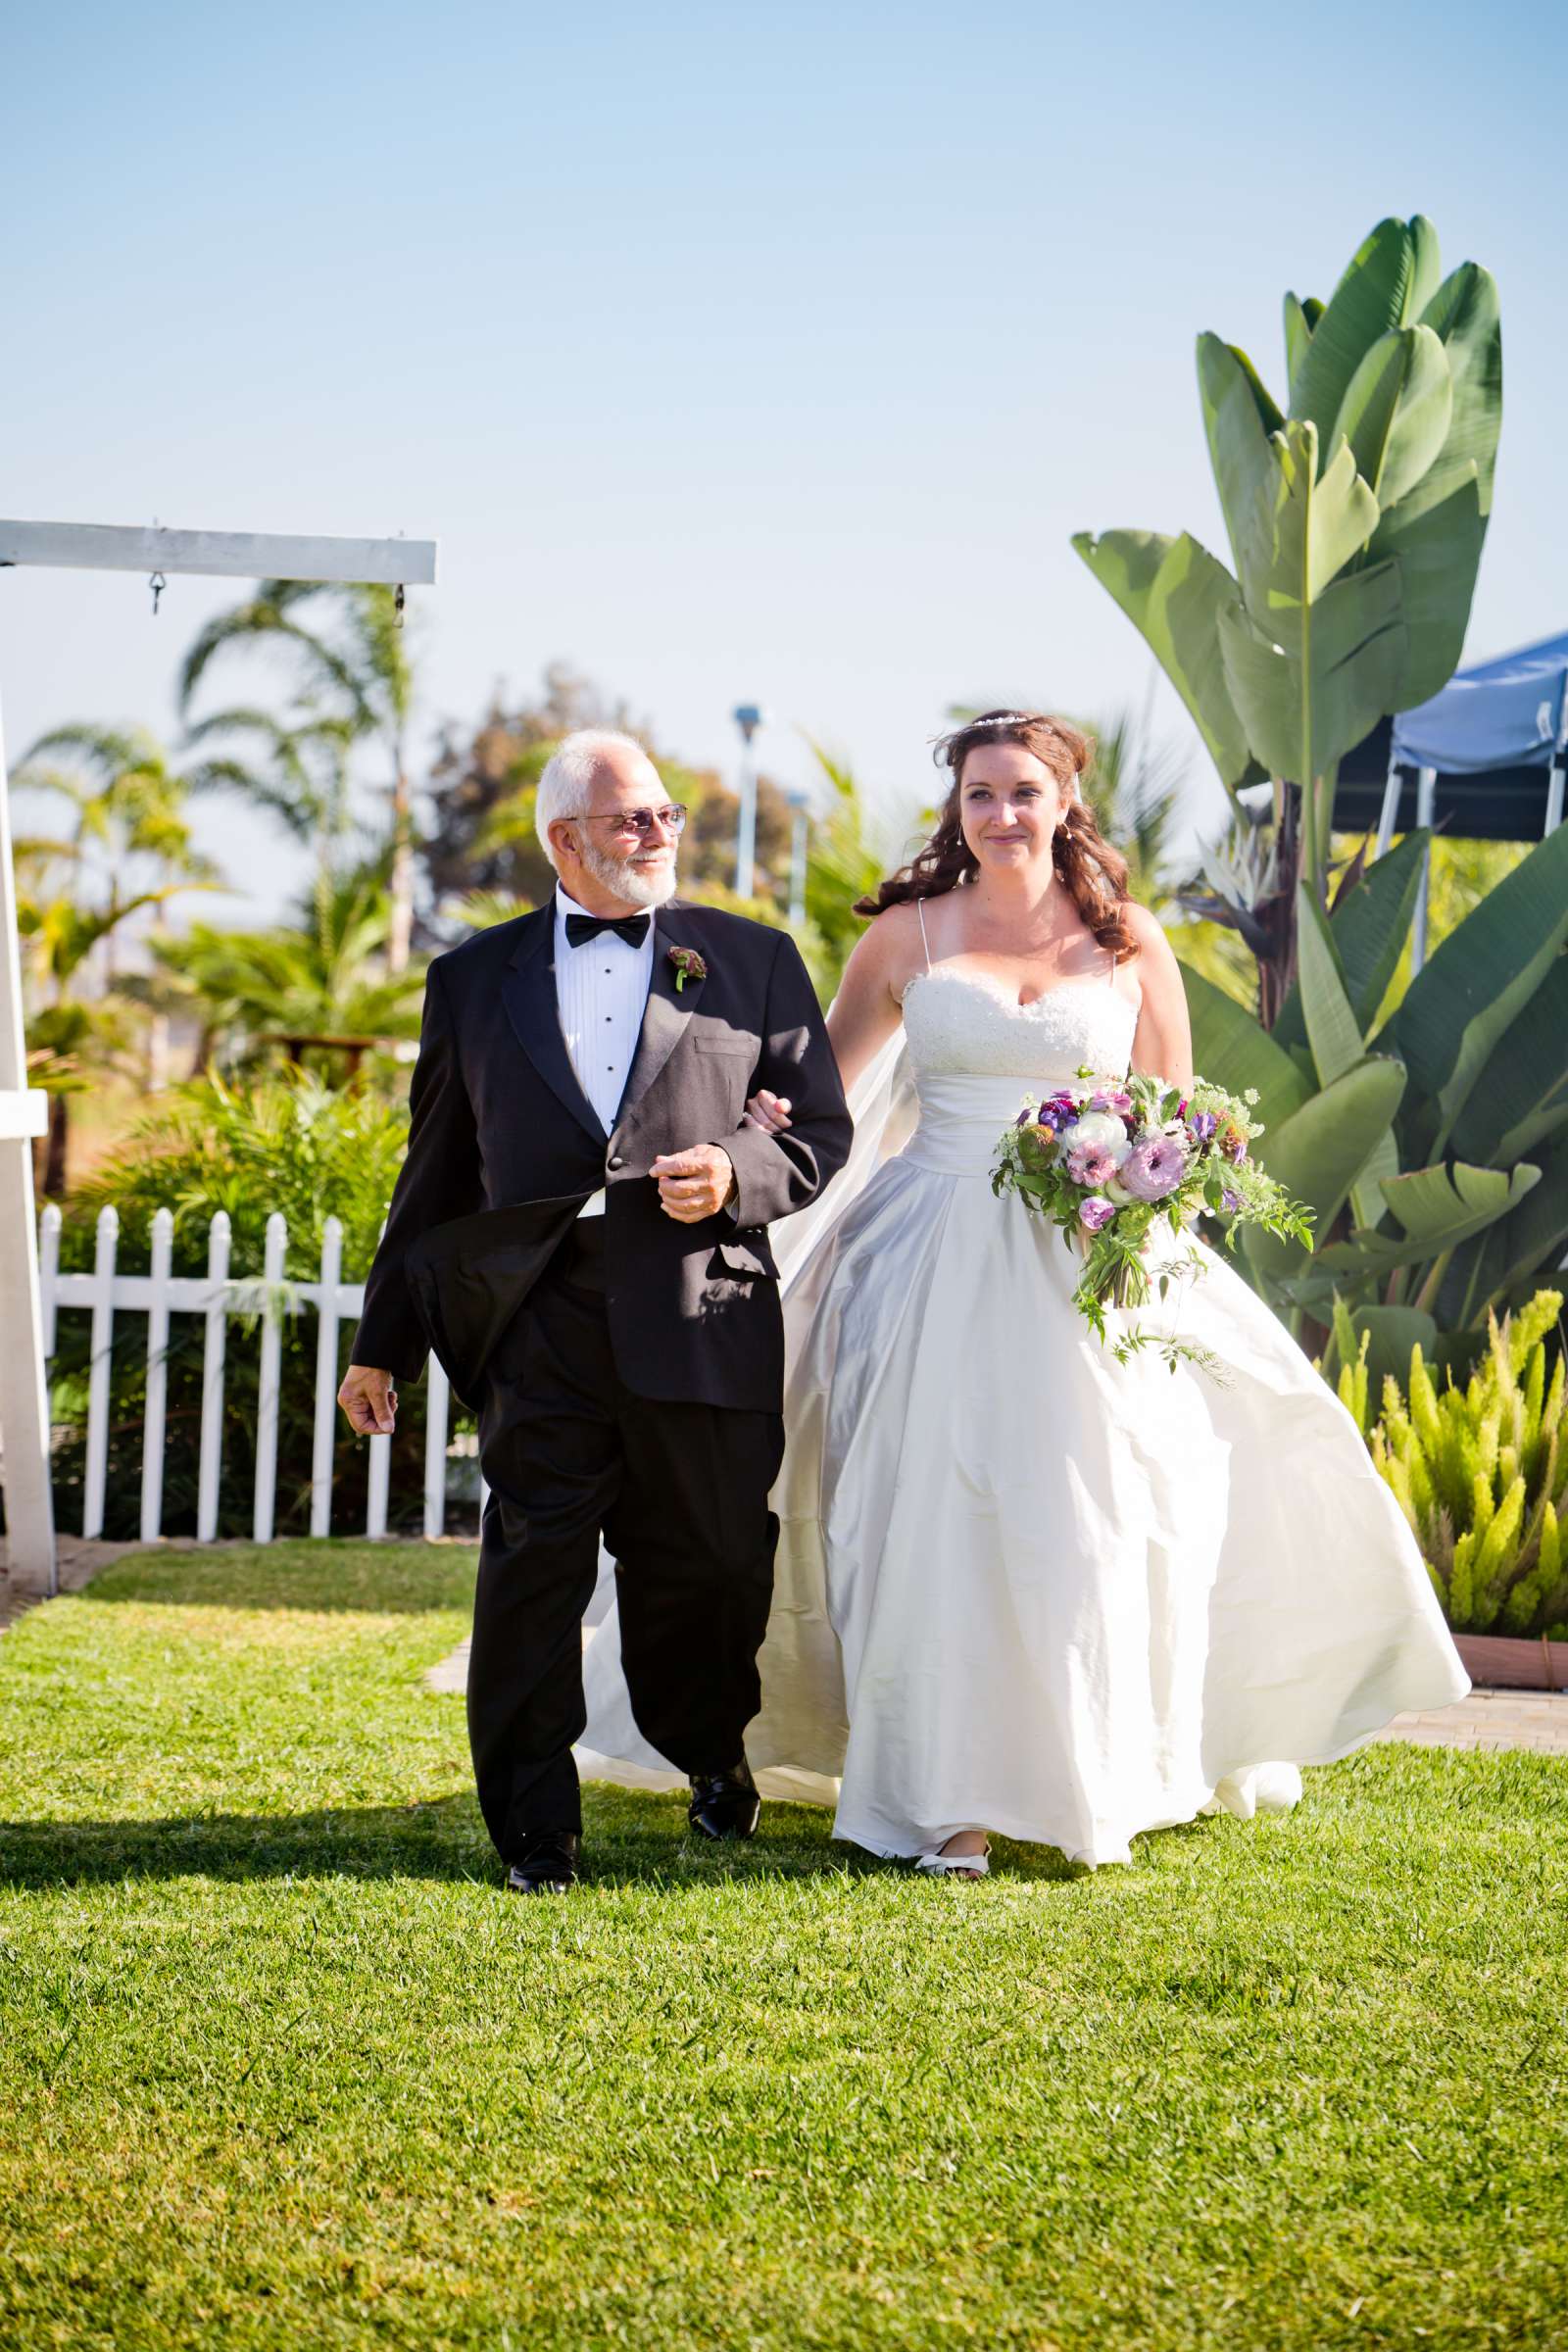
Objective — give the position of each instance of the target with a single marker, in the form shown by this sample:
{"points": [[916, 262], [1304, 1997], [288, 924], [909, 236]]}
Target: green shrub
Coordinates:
{"points": [[1480, 1470], [290, 1144]]}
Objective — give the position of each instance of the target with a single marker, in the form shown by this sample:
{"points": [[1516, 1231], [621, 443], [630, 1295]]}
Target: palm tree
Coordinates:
{"points": [[356, 674], [300, 988], [297, 774], [69, 1033], [128, 846], [129, 819]]}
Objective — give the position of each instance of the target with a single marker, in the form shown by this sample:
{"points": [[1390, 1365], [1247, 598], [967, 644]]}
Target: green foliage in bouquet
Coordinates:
{"points": [[291, 1143], [1480, 1470], [1110, 1162]]}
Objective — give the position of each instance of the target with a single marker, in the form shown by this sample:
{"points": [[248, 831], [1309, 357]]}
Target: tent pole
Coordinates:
{"points": [[1389, 810], [1559, 758], [1426, 802]]}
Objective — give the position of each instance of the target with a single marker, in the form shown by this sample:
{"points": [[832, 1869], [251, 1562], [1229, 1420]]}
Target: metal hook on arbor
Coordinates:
{"points": [[157, 584], [399, 600]]}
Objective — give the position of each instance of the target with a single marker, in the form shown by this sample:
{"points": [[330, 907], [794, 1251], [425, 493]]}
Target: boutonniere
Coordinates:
{"points": [[689, 966]]}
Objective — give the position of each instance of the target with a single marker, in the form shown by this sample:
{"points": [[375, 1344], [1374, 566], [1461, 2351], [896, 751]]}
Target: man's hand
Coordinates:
{"points": [[695, 1184], [769, 1111], [370, 1400]]}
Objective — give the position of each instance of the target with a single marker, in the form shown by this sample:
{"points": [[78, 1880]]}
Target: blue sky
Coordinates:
{"points": [[729, 355]]}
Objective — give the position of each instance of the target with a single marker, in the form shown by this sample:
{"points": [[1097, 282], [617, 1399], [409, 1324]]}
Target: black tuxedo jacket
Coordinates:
{"points": [[497, 1120]]}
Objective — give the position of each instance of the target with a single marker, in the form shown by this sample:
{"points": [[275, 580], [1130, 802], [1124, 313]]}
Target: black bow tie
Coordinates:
{"points": [[580, 928]]}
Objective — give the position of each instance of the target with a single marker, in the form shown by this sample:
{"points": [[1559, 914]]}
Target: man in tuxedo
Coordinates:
{"points": [[579, 1229]]}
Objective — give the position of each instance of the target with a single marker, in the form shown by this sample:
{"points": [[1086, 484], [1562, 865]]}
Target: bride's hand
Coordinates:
{"points": [[769, 1111]]}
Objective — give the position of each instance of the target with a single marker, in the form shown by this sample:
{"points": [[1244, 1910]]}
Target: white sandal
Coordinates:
{"points": [[974, 1866]]}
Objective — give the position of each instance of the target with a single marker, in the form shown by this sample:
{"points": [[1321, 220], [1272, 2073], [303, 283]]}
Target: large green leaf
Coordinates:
{"points": [[1305, 530], [1524, 1094], [1392, 1333], [1240, 419], [1300, 317], [1464, 313], [1505, 1259], [1233, 1049], [1320, 1150], [1173, 591], [1336, 1042], [1397, 410], [1304, 708], [1331, 1024], [1437, 550], [1461, 1005], [1372, 923], [1390, 280], [1438, 1209]]}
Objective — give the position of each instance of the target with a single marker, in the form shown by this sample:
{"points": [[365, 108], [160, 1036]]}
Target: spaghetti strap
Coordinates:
{"points": [[925, 944]]}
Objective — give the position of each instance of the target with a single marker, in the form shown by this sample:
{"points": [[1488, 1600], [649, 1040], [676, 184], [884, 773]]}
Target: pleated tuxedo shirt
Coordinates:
{"points": [[601, 996]]}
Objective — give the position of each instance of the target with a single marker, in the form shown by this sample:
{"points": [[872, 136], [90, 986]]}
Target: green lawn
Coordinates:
{"points": [[282, 2064]]}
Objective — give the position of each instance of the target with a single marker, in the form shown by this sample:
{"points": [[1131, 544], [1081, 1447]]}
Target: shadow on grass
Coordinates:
{"points": [[631, 1839]]}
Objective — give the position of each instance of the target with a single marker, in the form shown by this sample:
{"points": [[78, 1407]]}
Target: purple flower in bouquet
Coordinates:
{"points": [[1233, 1143], [1230, 1202], [1154, 1168], [1089, 1165], [1204, 1126], [1057, 1111], [1111, 1097], [1095, 1215]]}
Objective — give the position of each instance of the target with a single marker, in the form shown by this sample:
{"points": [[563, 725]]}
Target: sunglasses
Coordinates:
{"points": [[641, 821]]}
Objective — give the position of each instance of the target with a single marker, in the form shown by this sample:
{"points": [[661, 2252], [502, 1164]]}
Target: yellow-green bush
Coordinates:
{"points": [[1481, 1472]]}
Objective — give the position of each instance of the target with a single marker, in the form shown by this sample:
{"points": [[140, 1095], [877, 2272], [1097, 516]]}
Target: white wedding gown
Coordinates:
{"points": [[1022, 1586]]}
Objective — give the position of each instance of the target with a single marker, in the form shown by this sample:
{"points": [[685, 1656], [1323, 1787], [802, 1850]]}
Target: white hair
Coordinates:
{"points": [[568, 776]]}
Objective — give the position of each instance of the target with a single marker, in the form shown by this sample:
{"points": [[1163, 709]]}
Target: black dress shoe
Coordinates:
{"points": [[548, 1863], [724, 1804]]}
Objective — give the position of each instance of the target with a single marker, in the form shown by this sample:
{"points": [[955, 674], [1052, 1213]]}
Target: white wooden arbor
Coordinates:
{"points": [[155, 552]]}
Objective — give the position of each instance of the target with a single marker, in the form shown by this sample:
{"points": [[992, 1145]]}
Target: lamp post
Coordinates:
{"points": [[748, 716], [800, 806]]}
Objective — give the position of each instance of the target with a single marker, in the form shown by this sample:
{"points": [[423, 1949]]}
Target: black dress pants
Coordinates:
{"points": [[680, 1493]]}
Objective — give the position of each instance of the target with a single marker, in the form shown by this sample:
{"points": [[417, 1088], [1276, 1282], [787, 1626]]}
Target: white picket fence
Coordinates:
{"points": [[216, 1297]]}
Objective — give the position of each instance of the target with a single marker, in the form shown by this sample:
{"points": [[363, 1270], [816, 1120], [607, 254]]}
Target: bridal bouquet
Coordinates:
{"points": [[1108, 1162]]}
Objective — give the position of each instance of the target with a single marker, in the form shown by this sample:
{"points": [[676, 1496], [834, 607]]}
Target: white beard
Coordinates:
{"points": [[623, 880]]}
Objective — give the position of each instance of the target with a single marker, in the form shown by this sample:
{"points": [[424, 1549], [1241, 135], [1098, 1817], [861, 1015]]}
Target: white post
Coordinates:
{"points": [[1426, 799], [23, 1389], [215, 1337], [437, 1397], [152, 1442], [377, 1479], [96, 1471], [271, 1365], [326, 1321], [48, 1272]]}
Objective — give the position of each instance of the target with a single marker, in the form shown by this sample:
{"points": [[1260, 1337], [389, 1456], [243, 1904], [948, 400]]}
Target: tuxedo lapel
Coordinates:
{"points": [[528, 992], [667, 1010]]}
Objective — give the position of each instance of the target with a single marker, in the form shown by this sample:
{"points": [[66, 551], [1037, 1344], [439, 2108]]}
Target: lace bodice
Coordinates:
{"points": [[976, 1055], [960, 1025]]}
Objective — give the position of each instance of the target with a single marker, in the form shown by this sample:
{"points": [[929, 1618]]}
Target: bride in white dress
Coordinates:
{"points": [[1022, 1587]]}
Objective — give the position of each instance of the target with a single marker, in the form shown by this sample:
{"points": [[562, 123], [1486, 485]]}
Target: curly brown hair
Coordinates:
{"points": [[1091, 873]]}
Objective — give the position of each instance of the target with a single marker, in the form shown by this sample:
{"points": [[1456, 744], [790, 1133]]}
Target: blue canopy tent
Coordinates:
{"points": [[1484, 759]]}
